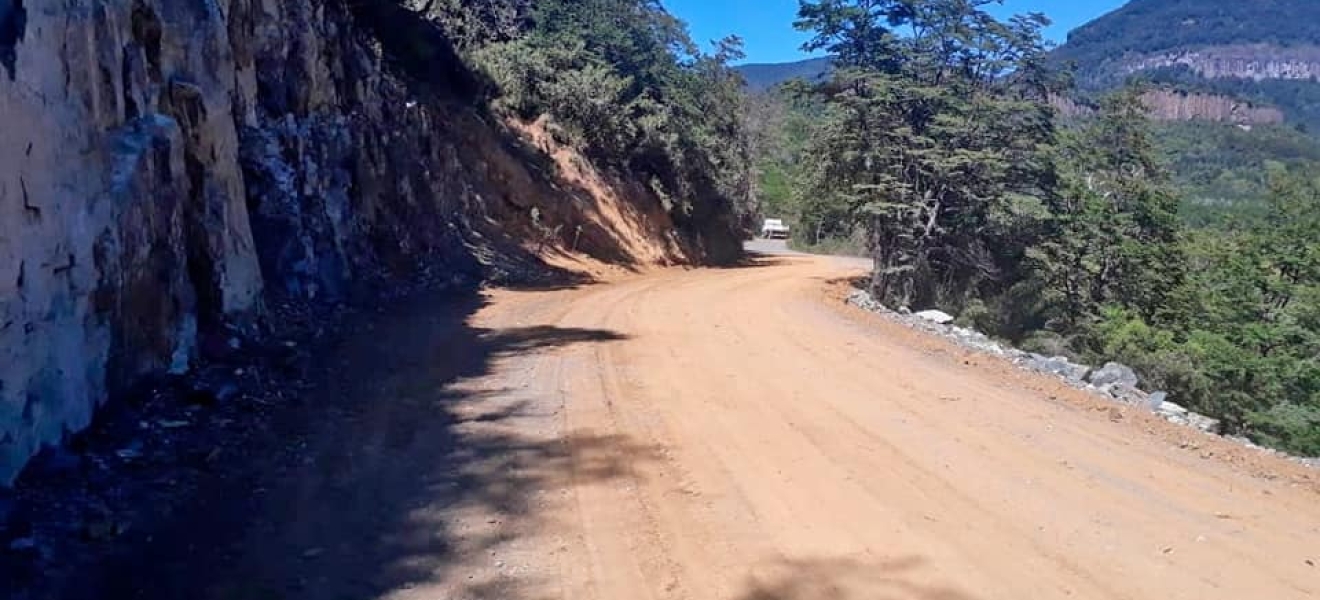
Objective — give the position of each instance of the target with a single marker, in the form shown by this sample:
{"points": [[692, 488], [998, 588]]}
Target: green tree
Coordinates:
{"points": [[1257, 334], [1113, 232], [622, 80], [936, 124]]}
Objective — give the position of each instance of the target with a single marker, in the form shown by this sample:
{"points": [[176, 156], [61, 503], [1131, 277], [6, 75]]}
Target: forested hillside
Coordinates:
{"points": [[1222, 171], [1151, 26], [622, 80], [1264, 55], [934, 146]]}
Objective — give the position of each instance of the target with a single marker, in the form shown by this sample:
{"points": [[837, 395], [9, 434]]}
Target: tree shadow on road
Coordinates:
{"points": [[353, 493], [756, 260], [856, 283], [845, 579]]}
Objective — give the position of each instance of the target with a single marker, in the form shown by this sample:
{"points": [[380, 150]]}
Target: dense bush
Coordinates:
{"points": [[1244, 342]]}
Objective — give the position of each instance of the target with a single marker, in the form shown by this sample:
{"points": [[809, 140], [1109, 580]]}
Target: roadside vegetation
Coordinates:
{"points": [[933, 142], [622, 81]]}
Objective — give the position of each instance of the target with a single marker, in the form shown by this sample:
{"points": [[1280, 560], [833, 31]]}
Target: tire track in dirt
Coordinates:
{"points": [[803, 455]]}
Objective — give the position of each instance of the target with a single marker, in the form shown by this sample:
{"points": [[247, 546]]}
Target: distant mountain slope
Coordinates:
{"points": [[764, 76], [1262, 52], [1235, 80]]}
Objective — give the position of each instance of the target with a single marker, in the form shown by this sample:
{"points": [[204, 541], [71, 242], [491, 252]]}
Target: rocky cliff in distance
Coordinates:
{"points": [[169, 166], [1216, 83], [1263, 53], [1173, 105], [1256, 62]]}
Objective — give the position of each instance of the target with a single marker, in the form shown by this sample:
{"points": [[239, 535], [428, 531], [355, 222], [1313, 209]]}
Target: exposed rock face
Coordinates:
{"points": [[1172, 105], [1257, 62], [1169, 105], [122, 205], [169, 164]]}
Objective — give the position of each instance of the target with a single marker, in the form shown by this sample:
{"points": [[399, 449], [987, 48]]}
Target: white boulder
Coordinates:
{"points": [[938, 317]]}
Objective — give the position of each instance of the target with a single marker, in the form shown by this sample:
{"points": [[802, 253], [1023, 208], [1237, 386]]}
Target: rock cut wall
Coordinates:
{"points": [[168, 165], [122, 204]]}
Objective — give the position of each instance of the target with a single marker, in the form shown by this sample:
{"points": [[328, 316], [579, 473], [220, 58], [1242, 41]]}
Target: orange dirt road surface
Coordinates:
{"points": [[739, 434], [718, 434]]}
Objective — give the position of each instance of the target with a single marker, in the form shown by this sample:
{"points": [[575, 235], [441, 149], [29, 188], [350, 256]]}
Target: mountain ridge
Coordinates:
{"points": [[1205, 56], [1153, 26], [1262, 53], [763, 76]]}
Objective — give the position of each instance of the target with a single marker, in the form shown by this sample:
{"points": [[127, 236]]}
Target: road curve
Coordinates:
{"points": [[717, 434], [737, 434]]}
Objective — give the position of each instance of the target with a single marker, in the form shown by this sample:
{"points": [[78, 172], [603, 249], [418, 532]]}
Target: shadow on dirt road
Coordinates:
{"points": [[352, 494], [844, 579]]}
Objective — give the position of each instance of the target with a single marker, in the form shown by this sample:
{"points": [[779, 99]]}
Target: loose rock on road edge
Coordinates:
{"points": [[1113, 381]]}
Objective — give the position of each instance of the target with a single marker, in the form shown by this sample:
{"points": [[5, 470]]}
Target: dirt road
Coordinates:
{"points": [[738, 434]]}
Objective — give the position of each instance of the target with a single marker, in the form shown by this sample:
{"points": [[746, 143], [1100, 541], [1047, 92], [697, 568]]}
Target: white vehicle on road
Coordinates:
{"points": [[774, 228]]}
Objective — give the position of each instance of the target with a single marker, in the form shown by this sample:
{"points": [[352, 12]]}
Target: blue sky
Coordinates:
{"points": [[767, 25]]}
